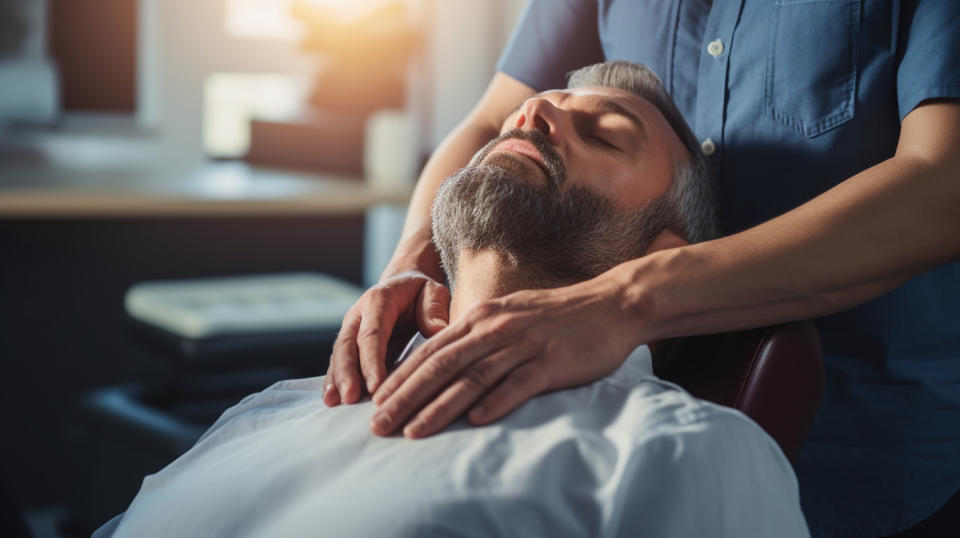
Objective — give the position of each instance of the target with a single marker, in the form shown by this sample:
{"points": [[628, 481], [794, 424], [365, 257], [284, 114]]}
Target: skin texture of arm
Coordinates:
{"points": [[411, 287], [851, 244]]}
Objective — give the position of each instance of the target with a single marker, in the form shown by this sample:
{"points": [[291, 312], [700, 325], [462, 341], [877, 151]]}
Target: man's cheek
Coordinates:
{"points": [[509, 122]]}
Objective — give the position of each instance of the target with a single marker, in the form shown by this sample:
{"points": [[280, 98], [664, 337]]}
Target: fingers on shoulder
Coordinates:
{"points": [[521, 384], [342, 383]]}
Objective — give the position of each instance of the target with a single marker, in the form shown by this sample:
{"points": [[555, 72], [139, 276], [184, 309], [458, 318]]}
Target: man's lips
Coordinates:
{"points": [[524, 148]]}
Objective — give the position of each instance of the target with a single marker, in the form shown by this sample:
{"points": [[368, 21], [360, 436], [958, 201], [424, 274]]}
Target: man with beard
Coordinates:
{"points": [[831, 128], [628, 454]]}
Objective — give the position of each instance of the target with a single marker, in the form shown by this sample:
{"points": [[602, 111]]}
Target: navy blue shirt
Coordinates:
{"points": [[790, 98]]}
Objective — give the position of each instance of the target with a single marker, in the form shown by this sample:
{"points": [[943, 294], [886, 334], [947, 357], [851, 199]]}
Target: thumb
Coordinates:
{"points": [[433, 308]]}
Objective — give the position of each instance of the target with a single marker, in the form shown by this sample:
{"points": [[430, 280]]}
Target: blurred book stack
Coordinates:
{"points": [[314, 140]]}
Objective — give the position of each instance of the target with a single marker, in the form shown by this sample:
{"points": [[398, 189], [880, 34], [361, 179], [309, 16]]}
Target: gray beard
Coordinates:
{"points": [[553, 236]]}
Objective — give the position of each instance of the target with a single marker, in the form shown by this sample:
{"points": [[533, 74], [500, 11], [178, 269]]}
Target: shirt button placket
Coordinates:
{"points": [[708, 147], [715, 48], [712, 75]]}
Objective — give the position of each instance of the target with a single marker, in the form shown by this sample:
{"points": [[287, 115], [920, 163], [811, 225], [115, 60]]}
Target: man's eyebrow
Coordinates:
{"points": [[610, 106]]}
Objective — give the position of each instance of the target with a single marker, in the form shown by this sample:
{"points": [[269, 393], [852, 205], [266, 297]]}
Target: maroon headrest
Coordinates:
{"points": [[772, 374]]}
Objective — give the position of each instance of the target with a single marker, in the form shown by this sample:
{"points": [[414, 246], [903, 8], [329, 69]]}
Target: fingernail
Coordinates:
{"points": [[343, 389], [371, 383], [381, 422], [414, 428]]}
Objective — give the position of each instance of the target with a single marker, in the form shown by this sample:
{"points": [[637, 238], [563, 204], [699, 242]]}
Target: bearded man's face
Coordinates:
{"points": [[527, 211]]}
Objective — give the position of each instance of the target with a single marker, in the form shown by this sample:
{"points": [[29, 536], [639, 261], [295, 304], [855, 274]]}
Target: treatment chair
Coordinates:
{"points": [[772, 374]]}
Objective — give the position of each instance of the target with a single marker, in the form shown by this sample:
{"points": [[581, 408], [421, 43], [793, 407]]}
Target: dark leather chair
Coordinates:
{"points": [[772, 374]]}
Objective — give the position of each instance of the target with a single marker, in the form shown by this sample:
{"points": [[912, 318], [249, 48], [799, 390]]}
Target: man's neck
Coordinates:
{"points": [[487, 275]]}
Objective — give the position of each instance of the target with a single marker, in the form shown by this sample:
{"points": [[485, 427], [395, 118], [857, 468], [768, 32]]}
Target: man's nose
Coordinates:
{"points": [[540, 114]]}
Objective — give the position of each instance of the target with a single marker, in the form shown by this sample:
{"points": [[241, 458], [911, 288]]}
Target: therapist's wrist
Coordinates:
{"points": [[644, 294]]}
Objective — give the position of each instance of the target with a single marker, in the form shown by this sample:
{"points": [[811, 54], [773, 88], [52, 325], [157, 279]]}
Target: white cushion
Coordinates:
{"points": [[209, 307]]}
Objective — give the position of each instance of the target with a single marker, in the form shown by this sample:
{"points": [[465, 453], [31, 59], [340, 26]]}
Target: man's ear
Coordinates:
{"points": [[666, 240]]}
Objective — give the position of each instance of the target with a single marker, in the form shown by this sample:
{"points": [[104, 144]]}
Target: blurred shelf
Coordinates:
{"points": [[114, 172], [215, 189]]}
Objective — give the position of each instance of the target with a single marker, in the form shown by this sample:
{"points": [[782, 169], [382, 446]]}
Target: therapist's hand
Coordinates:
{"points": [[501, 353], [358, 361]]}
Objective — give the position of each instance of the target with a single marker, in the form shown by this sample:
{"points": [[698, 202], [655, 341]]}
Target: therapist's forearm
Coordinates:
{"points": [[851, 244]]}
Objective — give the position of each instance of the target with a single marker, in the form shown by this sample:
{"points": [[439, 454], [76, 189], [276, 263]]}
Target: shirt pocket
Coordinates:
{"points": [[811, 69]]}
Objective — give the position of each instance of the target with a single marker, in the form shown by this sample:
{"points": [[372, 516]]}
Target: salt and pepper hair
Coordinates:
{"points": [[691, 193]]}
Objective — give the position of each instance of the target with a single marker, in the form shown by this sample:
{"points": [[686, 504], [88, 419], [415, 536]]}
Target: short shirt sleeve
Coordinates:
{"points": [[553, 38], [929, 64]]}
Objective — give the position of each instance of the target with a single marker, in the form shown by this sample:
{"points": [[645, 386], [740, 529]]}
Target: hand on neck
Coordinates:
{"points": [[488, 274]]}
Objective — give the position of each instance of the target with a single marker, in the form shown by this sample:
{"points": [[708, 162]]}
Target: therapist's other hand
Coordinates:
{"points": [[503, 352], [358, 360]]}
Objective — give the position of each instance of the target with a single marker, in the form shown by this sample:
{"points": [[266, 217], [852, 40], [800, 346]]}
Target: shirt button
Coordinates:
{"points": [[715, 48], [708, 147]]}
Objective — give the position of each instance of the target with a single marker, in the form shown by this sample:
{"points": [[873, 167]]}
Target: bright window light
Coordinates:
{"points": [[272, 19], [231, 100], [263, 19]]}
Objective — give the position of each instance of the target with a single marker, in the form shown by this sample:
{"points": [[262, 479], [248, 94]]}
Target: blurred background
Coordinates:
{"points": [[171, 140]]}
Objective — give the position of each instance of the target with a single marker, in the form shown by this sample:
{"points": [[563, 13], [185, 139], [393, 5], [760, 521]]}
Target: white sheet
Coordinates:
{"points": [[627, 455]]}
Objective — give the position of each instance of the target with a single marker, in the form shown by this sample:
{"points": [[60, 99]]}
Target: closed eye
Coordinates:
{"points": [[602, 141]]}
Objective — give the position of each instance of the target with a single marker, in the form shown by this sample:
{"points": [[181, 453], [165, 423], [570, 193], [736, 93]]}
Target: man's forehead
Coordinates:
{"points": [[598, 93]]}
